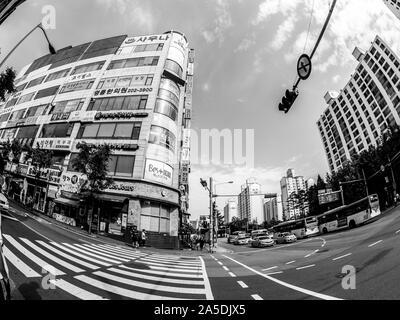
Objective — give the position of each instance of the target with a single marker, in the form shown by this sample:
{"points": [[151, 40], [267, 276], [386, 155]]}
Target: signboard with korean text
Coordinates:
{"points": [[145, 39], [185, 155], [124, 90], [82, 116], [54, 143], [76, 86], [158, 171], [328, 197], [186, 138], [60, 116], [84, 76], [72, 181]]}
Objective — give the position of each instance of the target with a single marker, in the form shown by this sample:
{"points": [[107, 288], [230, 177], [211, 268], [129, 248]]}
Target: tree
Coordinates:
{"points": [[7, 78], [92, 161]]}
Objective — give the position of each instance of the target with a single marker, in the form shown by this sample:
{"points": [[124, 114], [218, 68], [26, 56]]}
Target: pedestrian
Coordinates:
{"points": [[201, 243], [143, 238], [135, 237]]}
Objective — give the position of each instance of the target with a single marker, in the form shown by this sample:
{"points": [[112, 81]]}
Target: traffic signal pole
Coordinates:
{"points": [[211, 215]]}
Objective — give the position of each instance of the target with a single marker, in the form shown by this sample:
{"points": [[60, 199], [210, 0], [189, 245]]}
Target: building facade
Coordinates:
{"points": [[271, 210], [251, 202], [368, 105], [394, 6], [133, 93], [291, 187], [230, 210]]}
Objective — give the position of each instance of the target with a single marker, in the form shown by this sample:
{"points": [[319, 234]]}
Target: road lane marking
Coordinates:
{"points": [[86, 252], [288, 285], [76, 291], [397, 231], [170, 265], [305, 267], [290, 262], [102, 254], [225, 268], [172, 274], [271, 273], [173, 269], [207, 286], [345, 255], [9, 217], [242, 284], [256, 297], [274, 267], [34, 230], [19, 264], [372, 244], [232, 274], [220, 263]]}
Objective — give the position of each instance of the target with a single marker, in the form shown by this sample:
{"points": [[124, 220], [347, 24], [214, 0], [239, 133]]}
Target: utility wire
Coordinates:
{"points": [[309, 26]]}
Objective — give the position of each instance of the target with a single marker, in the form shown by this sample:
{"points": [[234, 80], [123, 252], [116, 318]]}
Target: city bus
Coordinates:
{"points": [[350, 215], [301, 228]]}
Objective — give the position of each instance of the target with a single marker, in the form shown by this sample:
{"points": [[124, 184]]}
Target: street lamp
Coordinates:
{"points": [[51, 48]]}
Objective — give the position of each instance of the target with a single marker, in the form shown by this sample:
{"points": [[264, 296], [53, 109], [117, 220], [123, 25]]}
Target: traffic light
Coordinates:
{"points": [[214, 207], [203, 183], [288, 100]]}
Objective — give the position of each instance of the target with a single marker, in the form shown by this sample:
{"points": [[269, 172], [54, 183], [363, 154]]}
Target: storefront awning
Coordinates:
{"points": [[67, 202], [112, 198]]}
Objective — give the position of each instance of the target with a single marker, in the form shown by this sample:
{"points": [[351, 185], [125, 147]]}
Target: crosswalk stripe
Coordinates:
{"points": [[168, 265], [172, 269], [81, 255], [122, 255], [122, 250], [174, 258], [171, 274], [102, 254], [65, 255], [60, 262], [89, 253], [76, 291], [147, 285], [150, 258], [34, 258], [121, 291], [19, 264], [160, 279]]}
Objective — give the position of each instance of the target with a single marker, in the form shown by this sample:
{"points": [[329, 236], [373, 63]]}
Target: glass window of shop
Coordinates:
{"points": [[46, 92], [155, 217], [88, 67], [56, 130], [27, 132], [133, 62], [166, 94], [36, 111], [20, 87], [110, 130], [8, 133], [4, 117], [67, 106], [35, 82], [111, 216], [141, 48], [118, 103], [174, 67], [170, 86], [162, 137], [166, 108], [11, 102], [26, 97], [16, 115], [57, 75], [121, 165]]}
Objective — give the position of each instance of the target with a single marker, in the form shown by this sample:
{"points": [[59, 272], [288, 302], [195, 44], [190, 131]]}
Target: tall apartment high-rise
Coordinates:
{"points": [[367, 106], [230, 210], [251, 202], [292, 206], [271, 210], [133, 93], [394, 6]]}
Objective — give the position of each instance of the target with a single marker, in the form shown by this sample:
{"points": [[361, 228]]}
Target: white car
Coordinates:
{"points": [[285, 237], [263, 241], [242, 240]]}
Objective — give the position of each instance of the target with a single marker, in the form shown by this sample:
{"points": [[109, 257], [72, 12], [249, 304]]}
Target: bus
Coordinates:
{"points": [[259, 232], [301, 228], [351, 215]]}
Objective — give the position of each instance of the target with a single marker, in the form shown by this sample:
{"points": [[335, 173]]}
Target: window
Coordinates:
{"points": [[16, 115], [4, 117], [126, 81], [57, 75], [162, 137], [133, 62], [174, 67], [166, 108], [114, 130], [124, 166], [59, 130], [118, 103], [35, 82], [46, 92], [35, 111], [27, 132], [77, 85], [26, 97], [88, 67], [155, 217], [67, 106]]}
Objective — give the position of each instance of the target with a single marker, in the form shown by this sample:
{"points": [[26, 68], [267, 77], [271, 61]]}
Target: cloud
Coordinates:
{"points": [[222, 22], [336, 78], [206, 87], [246, 43], [284, 32]]}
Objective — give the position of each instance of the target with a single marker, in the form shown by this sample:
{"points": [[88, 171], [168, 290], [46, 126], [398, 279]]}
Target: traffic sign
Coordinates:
{"points": [[304, 66]]}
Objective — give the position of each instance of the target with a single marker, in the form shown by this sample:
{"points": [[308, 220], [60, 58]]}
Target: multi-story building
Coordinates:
{"points": [[367, 106], [230, 210], [271, 210], [251, 202], [293, 206], [133, 93], [394, 6]]}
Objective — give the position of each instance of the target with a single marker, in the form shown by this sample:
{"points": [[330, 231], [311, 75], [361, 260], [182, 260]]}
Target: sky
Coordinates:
{"points": [[245, 59]]}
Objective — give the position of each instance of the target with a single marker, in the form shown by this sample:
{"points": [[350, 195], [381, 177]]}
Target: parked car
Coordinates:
{"points": [[4, 205], [285, 237], [234, 235], [263, 241], [242, 239], [4, 273]]}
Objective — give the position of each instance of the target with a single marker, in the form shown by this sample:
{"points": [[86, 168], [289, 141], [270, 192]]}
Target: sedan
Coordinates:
{"points": [[242, 240], [285, 237], [263, 241]]}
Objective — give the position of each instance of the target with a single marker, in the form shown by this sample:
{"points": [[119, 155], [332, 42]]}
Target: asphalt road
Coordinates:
{"points": [[315, 268]]}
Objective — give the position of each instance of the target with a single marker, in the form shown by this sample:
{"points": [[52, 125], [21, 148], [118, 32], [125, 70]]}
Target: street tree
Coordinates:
{"points": [[7, 78]]}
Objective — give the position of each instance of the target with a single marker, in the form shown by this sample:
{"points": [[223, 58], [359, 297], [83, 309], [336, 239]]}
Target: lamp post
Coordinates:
{"points": [[51, 48]]}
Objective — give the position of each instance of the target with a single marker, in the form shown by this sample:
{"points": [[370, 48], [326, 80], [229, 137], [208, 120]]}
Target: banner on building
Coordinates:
{"points": [[158, 171]]}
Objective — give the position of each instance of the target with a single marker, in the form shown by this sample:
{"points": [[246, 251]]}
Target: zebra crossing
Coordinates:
{"points": [[91, 271]]}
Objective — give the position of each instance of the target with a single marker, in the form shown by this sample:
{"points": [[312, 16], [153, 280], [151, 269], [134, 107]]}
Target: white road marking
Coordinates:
{"points": [[232, 274], [277, 272], [225, 268], [20, 265], [74, 247], [102, 254], [312, 253], [172, 274], [343, 256], [372, 244], [220, 263], [306, 267], [256, 297], [122, 255], [170, 265], [242, 284], [9, 217], [290, 262], [288, 285], [207, 285], [76, 291], [274, 267], [43, 264], [172, 269], [178, 263], [397, 231]]}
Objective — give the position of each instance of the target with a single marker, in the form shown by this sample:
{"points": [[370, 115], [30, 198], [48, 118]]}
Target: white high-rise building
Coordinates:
{"points": [[271, 210], [230, 210], [251, 202], [367, 106], [394, 6], [291, 185]]}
